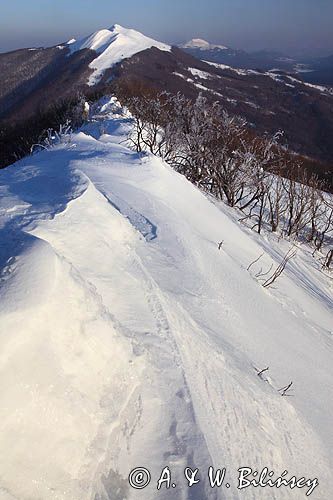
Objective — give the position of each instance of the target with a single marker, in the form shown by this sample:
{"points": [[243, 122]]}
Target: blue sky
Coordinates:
{"points": [[248, 24]]}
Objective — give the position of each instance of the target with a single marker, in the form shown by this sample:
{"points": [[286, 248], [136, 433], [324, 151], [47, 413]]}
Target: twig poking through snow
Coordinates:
{"points": [[281, 267], [255, 261], [284, 390], [263, 371]]}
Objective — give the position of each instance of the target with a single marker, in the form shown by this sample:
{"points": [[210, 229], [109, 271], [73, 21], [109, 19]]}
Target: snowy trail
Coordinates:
{"points": [[128, 339], [148, 332]]}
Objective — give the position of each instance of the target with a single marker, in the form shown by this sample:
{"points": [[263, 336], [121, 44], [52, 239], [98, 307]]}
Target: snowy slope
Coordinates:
{"points": [[112, 46], [128, 339]]}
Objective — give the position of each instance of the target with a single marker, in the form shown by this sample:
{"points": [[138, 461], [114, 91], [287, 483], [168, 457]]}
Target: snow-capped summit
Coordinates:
{"points": [[199, 43], [113, 45]]}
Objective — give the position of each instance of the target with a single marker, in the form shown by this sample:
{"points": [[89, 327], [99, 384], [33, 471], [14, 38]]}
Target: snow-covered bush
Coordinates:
{"points": [[221, 155], [53, 137]]}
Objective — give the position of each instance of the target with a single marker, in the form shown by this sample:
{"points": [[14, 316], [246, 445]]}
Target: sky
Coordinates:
{"points": [[286, 25]]}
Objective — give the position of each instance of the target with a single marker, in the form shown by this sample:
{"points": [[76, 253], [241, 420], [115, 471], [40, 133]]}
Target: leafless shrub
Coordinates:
{"points": [[52, 137], [261, 372], [260, 274], [285, 390], [254, 262], [218, 153], [280, 269]]}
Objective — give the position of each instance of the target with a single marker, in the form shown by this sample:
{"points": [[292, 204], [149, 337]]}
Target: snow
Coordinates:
{"points": [[199, 43], [251, 104], [128, 339], [281, 79], [113, 45], [200, 74], [180, 75], [219, 65], [235, 70], [271, 74], [321, 88]]}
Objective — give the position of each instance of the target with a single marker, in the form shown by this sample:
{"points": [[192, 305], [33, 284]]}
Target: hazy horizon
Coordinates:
{"points": [[243, 24]]}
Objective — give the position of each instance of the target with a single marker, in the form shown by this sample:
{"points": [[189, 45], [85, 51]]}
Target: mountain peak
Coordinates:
{"points": [[112, 46], [199, 43], [116, 27]]}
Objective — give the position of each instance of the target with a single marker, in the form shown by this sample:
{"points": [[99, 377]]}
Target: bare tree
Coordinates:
{"points": [[219, 154], [328, 259]]}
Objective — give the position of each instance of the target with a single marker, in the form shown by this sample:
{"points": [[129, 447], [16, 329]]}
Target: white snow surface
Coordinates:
{"points": [[200, 74], [235, 70], [113, 45], [128, 339]]}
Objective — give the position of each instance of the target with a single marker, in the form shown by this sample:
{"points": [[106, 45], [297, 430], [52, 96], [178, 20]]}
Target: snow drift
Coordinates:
{"points": [[129, 339]]}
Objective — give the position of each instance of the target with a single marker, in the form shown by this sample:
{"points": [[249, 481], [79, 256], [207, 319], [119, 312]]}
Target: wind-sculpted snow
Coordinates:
{"points": [[139, 221], [128, 339]]}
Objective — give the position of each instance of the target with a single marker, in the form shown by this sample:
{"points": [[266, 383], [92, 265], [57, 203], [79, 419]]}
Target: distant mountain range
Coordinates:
{"points": [[270, 100], [317, 70]]}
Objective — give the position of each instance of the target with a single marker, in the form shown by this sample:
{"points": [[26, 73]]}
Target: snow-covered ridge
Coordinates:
{"points": [[128, 338], [199, 43], [274, 74], [113, 45]]}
